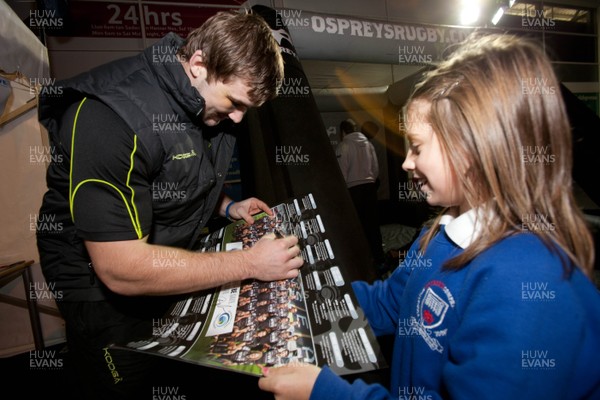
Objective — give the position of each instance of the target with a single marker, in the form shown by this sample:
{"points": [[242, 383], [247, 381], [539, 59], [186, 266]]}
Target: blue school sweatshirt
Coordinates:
{"points": [[510, 325]]}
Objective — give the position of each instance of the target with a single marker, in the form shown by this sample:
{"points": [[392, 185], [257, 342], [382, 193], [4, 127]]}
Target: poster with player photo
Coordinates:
{"points": [[245, 326]]}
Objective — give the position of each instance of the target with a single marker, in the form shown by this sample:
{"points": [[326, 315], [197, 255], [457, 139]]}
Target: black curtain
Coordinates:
{"points": [[285, 153]]}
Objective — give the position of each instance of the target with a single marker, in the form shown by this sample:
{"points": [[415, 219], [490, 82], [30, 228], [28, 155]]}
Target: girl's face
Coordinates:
{"points": [[427, 163]]}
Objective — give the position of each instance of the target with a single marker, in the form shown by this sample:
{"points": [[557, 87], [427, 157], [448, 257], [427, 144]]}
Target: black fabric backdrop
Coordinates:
{"points": [[292, 120]]}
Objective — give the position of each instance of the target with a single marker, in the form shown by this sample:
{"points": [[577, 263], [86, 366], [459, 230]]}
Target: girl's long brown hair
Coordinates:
{"points": [[497, 109]]}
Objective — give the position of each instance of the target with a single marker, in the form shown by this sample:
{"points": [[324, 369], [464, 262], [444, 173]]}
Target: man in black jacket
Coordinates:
{"points": [[145, 143]]}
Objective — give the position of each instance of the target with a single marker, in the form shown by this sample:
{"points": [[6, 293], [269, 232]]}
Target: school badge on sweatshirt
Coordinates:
{"points": [[433, 303]]}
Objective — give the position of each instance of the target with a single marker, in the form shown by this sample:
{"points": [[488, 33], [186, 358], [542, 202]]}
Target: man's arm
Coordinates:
{"points": [[135, 267], [342, 158], [374, 161], [112, 211]]}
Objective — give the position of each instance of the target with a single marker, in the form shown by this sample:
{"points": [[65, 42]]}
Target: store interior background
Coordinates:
{"points": [[345, 81]]}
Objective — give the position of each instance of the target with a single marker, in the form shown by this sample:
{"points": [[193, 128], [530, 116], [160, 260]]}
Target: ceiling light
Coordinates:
{"points": [[498, 15], [470, 11]]}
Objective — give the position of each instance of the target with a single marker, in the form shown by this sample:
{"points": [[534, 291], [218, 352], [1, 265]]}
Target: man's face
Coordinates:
{"points": [[224, 100]]}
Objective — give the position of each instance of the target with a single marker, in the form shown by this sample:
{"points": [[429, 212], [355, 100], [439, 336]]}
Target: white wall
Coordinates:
{"points": [[23, 160]]}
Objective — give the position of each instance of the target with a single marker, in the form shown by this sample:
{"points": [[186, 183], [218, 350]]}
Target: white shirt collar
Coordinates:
{"points": [[464, 229]]}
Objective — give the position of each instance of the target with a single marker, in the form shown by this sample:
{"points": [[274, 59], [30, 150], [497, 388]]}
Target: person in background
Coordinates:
{"points": [[145, 144], [370, 130], [494, 300], [358, 162]]}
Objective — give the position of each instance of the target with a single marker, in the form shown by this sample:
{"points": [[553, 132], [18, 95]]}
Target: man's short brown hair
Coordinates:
{"points": [[238, 45]]}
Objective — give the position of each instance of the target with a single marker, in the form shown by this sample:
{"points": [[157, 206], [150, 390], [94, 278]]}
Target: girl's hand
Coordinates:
{"points": [[291, 382]]}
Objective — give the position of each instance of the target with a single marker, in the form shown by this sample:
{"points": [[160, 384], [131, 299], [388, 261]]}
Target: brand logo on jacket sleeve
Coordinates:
{"points": [[183, 156]]}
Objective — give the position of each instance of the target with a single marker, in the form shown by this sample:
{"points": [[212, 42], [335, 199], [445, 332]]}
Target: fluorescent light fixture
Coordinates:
{"points": [[498, 15]]}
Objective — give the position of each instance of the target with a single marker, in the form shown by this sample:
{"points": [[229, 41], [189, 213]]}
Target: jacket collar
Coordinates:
{"points": [[171, 75], [464, 229]]}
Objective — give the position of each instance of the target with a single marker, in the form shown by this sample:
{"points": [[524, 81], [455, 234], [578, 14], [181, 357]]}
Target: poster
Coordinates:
{"points": [[247, 325]]}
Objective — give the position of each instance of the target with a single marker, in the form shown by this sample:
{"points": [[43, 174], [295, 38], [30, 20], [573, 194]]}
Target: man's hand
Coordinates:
{"points": [[245, 209], [291, 382], [274, 259]]}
